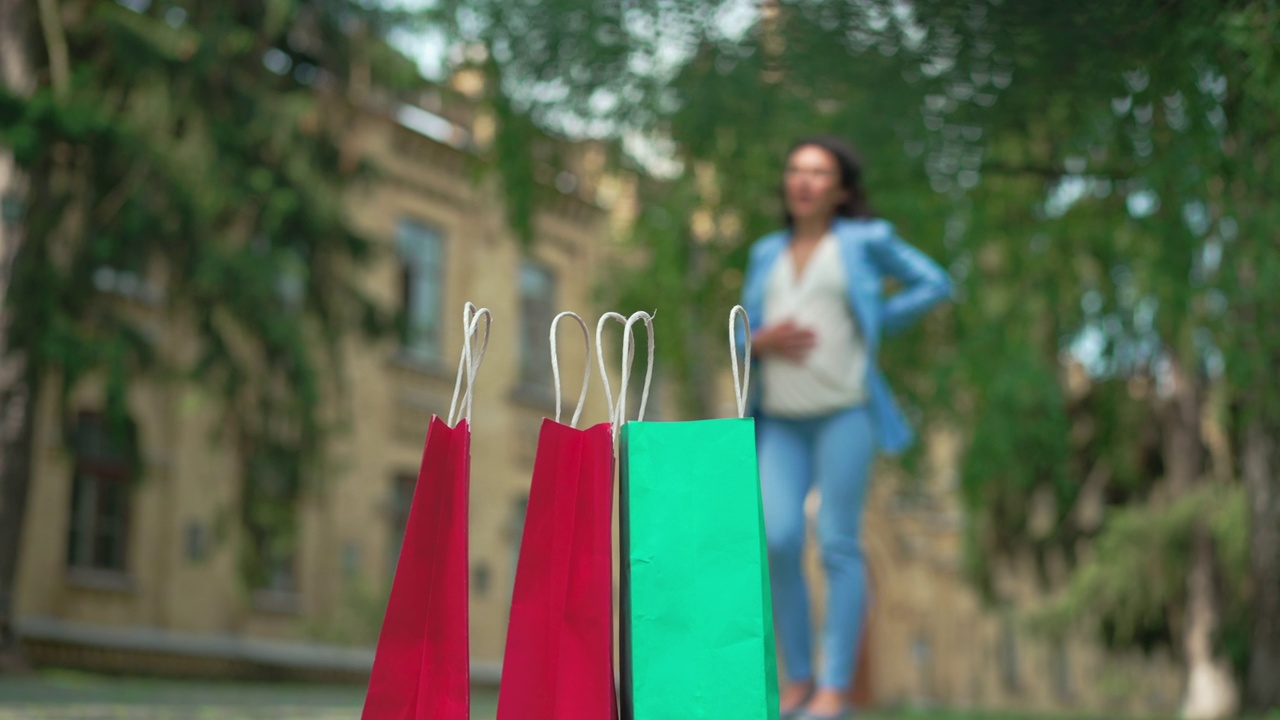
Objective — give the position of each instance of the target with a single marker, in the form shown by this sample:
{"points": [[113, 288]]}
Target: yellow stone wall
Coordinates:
{"points": [[343, 564]]}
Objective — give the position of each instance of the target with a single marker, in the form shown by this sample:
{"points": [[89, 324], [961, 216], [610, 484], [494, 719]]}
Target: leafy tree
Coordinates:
{"points": [[1086, 172]]}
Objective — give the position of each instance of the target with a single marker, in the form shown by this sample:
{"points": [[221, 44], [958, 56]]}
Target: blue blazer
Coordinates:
{"points": [[871, 251]]}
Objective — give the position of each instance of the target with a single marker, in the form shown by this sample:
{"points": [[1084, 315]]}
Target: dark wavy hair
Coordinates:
{"points": [[856, 206]]}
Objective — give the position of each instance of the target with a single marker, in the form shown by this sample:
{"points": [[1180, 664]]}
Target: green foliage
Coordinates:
{"points": [[196, 166], [1131, 587], [1087, 171], [1003, 471], [516, 165]]}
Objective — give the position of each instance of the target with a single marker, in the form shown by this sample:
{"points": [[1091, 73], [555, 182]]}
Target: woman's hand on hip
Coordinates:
{"points": [[785, 339]]}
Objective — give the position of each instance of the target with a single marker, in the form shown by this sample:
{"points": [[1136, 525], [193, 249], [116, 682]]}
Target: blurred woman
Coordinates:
{"points": [[814, 293]]}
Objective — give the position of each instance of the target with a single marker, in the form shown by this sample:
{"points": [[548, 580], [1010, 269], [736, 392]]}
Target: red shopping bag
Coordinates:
{"points": [[421, 669], [559, 655]]}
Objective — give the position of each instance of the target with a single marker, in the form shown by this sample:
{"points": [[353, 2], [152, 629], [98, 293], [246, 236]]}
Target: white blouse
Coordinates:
{"points": [[833, 376]]}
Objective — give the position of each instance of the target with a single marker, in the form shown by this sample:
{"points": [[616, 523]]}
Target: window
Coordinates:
{"points": [[537, 310], [197, 542], [922, 658], [351, 560], [1060, 671], [421, 251], [100, 498], [519, 509], [1008, 649], [401, 500], [271, 519], [278, 570]]}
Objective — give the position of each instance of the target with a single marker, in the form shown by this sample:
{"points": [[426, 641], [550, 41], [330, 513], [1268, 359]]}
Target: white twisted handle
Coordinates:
{"points": [[628, 351], [469, 363], [740, 388], [586, 373], [604, 375], [617, 410]]}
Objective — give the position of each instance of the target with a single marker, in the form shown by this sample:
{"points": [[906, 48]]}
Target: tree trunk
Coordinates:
{"points": [[1211, 687], [1211, 690], [17, 397], [1260, 465], [17, 405]]}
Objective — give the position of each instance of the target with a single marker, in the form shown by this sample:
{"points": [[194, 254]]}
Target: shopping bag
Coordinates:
{"points": [[697, 617], [558, 662], [421, 668]]}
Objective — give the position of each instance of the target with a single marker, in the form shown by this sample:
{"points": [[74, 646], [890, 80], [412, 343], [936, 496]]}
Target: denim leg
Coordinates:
{"points": [[785, 452], [845, 451]]}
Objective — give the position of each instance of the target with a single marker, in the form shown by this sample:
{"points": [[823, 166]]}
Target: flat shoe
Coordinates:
{"points": [[798, 712]]}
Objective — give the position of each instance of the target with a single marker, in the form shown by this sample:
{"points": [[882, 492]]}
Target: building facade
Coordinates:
{"points": [[144, 575]]}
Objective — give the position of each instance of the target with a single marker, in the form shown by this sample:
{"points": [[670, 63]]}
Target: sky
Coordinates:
{"points": [[429, 49]]}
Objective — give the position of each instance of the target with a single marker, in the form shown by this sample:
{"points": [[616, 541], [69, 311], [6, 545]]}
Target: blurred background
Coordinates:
{"points": [[236, 238]]}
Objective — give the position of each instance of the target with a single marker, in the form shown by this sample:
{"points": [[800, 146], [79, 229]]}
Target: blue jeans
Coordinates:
{"points": [[835, 452]]}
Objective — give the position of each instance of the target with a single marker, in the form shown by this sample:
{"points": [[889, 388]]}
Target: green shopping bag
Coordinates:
{"points": [[696, 614]]}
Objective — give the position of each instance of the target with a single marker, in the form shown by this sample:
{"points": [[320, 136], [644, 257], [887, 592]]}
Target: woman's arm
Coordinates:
{"points": [[925, 283], [784, 339]]}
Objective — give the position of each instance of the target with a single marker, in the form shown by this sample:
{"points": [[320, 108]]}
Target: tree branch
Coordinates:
{"points": [[55, 40], [1050, 172]]}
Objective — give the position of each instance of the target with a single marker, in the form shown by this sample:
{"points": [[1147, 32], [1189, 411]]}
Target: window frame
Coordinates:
{"points": [[96, 466], [423, 344], [534, 354], [403, 485]]}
